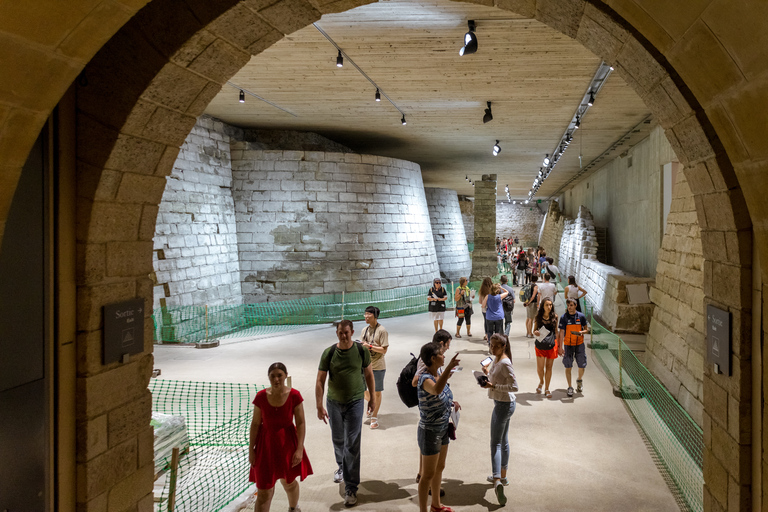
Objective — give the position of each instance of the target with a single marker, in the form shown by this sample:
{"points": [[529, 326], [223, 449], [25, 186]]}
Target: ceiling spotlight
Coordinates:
{"points": [[578, 123], [339, 60], [496, 148], [611, 68], [466, 177], [470, 40], [591, 98], [526, 201], [546, 160], [378, 95], [488, 115], [242, 96], [403, 120], [568, 138]]}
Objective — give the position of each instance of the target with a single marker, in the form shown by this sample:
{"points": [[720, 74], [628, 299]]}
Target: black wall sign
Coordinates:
{"points": [[123, 329], [719, 339]]}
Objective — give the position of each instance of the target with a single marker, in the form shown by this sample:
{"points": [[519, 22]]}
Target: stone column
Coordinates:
{"points": [[484, 255], [448, 233]]}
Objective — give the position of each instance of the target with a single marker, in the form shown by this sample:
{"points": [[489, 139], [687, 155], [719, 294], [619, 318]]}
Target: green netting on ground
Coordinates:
{"points": [[218, 418], [676, 439], [194, 324]]}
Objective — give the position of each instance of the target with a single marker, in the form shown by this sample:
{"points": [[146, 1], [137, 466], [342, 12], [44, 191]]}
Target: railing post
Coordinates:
{"points": [[206, 322], [342, 305], [621, 374]]}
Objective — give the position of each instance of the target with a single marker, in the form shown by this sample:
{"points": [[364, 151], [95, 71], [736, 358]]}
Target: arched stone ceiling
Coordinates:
{"points": [[534, 75]]}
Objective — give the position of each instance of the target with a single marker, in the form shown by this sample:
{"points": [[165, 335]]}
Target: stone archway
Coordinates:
{"points": [[148, 84]]}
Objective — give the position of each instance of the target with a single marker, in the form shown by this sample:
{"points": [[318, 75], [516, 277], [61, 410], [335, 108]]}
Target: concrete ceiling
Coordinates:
{"points": [[535, 77]]}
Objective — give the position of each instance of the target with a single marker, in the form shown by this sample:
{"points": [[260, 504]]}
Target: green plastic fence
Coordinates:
{"points": [[218, 416], [194, 324], [674, 436]]}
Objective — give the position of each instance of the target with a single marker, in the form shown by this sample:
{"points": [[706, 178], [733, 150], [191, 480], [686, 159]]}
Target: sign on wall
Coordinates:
{"points": [[123, 330], [719, 339]]}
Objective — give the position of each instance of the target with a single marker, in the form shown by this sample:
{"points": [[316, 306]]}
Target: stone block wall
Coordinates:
{"points": [[195, 244], [313, 222], [448, 233], [521, 221], [467, 207], [484, 255], [676, 342], [572, 245]]}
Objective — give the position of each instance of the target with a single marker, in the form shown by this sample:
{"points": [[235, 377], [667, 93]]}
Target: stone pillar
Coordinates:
{"points": [[484, 255], [448, 233]]}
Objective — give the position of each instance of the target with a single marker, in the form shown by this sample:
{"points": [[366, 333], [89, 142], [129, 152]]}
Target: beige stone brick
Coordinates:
{"points": [[101, 393], [288, 16], [526, 8], [742, 28], [137, 188], [130, 419], [219, 61], [716, 403], [104, 471], [715, 476], [97, 504], [727, 132], [146, 446], [240, 26], [91, 299], [92, 438], [129, 259], [562, 15], [128, 492], [741, 106]]}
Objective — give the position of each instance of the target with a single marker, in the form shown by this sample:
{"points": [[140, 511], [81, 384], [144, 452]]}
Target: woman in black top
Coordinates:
{"points": [[545, 355], [437, 297]]}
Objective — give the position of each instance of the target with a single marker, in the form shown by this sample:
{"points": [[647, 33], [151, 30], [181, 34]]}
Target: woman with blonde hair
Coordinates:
{"points": [[494, 314], [463, 299]]}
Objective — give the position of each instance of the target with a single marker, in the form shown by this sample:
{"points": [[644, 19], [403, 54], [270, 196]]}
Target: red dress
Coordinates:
{"points": [[276, 443]]}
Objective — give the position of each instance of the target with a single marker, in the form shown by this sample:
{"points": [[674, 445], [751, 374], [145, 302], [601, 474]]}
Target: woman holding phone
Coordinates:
{"points": [[435, 405], [501, 386], [546, 348]]}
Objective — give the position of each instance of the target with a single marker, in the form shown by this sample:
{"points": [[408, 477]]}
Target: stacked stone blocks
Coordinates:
{"points": [[484, 254], [195, 244], [676, 341], [519, 221], [448, 233], [313, 222]]}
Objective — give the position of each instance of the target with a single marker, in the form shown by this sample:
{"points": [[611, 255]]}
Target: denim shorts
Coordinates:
{"points": [[431, 441], [378, 379], [575, 351]]}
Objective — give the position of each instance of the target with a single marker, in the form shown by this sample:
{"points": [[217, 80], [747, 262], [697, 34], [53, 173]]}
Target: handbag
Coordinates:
{"points": [[548, 343], [460, 312]]}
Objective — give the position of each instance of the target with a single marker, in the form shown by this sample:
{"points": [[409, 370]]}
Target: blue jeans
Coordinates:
{"points": [[493, 327], [507, 322], [346, 422], [502, 412]]}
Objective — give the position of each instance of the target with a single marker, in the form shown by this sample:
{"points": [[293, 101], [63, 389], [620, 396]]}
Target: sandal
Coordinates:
{"points": [[457, 335], [548, 393], [440, 509], [538, 390], [418, 477], [374, 423]]}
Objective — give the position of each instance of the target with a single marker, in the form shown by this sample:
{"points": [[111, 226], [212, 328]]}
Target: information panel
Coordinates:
{"points": [[719, 339], [123, 329]]}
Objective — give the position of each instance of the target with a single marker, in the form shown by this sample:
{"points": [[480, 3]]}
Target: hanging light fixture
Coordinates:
{"points": [[496, 149], [546, 160], [403, 120], [488, 114], [578, 123], [591, 98], [378, 95], [242, 96], [470, 40], [339, 60]]}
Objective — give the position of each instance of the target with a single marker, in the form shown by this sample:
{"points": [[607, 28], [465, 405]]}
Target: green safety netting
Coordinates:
{"points": [[195, 324], [676, 439], [214, 469]]}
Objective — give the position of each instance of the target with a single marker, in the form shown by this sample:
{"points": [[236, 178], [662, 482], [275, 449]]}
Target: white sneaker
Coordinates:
{"points": [[350, 499], [338, 476], [294, 509]]}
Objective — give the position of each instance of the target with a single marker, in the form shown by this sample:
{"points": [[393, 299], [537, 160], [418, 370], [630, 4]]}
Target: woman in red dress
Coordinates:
{"points": [[276, 450]]}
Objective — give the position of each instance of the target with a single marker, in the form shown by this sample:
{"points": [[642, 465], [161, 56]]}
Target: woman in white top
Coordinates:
{"points": [[501, 386], [574, 291]]}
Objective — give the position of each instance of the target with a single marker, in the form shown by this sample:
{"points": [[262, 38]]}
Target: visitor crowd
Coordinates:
{"points": [[355, 374]]}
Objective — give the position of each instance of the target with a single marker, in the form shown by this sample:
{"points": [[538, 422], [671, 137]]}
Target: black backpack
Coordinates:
{"points": [[408, 393], [508, 302]]}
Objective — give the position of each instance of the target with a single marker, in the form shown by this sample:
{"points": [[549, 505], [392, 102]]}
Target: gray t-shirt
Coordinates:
{"points": [[547, 290]]}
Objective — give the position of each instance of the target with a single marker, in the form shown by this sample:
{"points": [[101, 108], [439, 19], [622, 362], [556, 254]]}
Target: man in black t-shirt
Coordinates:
{"points": [[437, 297]]}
